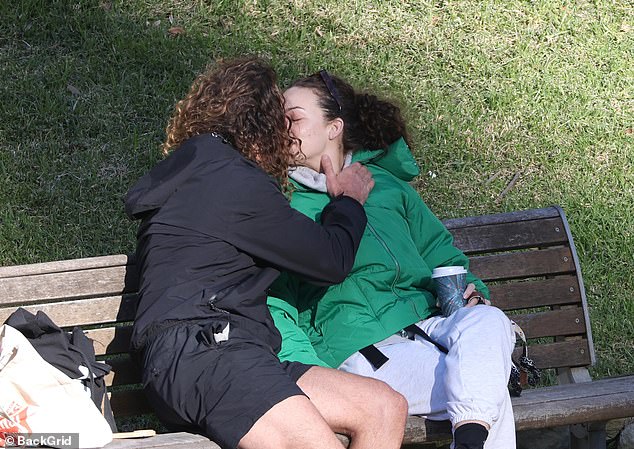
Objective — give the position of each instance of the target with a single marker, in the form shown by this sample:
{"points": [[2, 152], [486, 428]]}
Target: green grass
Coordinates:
{"points": [[539, 89]]}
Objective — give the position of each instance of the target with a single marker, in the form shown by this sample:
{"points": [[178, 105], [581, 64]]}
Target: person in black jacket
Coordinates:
{"points": [[215, 231]]}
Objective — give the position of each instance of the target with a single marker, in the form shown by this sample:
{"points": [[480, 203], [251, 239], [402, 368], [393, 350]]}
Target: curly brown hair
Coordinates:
{"points": [[240, 100]]}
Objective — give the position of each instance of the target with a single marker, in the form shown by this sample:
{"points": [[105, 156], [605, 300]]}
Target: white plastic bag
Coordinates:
{"points": [[37, 398]]}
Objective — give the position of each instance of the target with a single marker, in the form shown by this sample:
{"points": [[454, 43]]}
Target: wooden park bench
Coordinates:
{"points": [[527, 257]]}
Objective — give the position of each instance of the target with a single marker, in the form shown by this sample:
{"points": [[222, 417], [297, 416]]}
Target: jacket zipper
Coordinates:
{"points": [[387, 250], [215, 308]]}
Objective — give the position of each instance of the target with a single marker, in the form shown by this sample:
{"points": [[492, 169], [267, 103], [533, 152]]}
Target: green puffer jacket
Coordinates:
{"points": [[390, 285]]}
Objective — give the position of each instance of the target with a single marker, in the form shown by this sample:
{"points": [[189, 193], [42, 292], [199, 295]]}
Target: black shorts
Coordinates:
{"points": [[219, 390]]}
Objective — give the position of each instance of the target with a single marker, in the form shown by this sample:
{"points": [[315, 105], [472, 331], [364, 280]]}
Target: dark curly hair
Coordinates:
{"points": [[240, 100], [370, 122]]}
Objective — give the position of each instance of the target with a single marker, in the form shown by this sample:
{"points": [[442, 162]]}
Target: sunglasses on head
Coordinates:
{"points": [[332, 89]]}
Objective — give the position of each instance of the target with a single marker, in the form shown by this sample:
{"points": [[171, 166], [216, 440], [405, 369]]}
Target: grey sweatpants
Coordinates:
{"points": [[468, 383]]}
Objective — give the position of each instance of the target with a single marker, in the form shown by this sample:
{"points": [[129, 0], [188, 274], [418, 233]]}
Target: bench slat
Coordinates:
{"points": [[552, 323], [509, 236], [84, 312], [599, 400], [111, 340], [66, 285], [504, 217], [608, 385], [523, 264], [558, 290], [562, 354], [61, 266]]}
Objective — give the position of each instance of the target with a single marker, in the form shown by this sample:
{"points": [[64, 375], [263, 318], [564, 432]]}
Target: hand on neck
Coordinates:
{"points": [[336, 156]]}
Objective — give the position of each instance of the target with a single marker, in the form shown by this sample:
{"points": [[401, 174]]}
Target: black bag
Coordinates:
{"points": [[70, 352], [523, 371]]}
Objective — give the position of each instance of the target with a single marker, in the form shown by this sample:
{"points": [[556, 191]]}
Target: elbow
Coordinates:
{"points": [[339, 277], [339, 273], [332, 275]]}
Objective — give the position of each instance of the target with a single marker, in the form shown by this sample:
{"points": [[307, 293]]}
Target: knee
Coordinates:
{"points": [[495, 322], [390, 406], [379, 415], [491, 317], [401, 407]]}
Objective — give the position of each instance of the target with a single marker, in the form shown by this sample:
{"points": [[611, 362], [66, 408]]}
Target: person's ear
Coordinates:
{"points": [[335, 128]]}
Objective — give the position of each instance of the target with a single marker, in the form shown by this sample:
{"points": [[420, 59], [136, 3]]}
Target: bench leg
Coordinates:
{"points": [[588, 436]]}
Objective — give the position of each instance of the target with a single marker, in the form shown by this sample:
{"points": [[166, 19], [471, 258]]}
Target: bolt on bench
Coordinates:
{"points": [[527, 258]]}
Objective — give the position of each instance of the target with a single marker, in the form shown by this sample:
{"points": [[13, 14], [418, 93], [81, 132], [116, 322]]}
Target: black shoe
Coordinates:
{"points": [[470, 436]]}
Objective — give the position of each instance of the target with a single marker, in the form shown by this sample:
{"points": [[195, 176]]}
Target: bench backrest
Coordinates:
{"points": [[527, 258]]}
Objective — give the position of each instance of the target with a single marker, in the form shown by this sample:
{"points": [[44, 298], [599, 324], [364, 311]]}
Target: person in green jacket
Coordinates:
{"points": [[382, 321]]}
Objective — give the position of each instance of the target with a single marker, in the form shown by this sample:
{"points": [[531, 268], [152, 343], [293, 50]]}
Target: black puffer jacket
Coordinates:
{"points": [[215, 232]]}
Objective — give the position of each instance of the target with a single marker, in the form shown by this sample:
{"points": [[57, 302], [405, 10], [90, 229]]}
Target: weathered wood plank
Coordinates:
{"points": [[558, 355], [61, 266], [110, 340], [505, 217], [83, 312], [594, 389], [523, 264], [536, 293], [67, 285], [600, 400], [510, 236], [552, 323]]}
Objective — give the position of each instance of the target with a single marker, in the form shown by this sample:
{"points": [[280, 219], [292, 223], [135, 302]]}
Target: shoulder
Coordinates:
{"points": [[221, 160], [208, 147]]}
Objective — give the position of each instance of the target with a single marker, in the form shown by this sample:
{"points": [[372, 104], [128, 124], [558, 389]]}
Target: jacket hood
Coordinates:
{"points": [[396, 158], [154, 188]]}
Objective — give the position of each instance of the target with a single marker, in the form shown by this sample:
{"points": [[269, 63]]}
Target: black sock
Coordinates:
{"points": [[470, 436]]}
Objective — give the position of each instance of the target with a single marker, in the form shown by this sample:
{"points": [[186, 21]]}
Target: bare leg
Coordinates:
{"points": [[293, 423], [368, 410]]}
